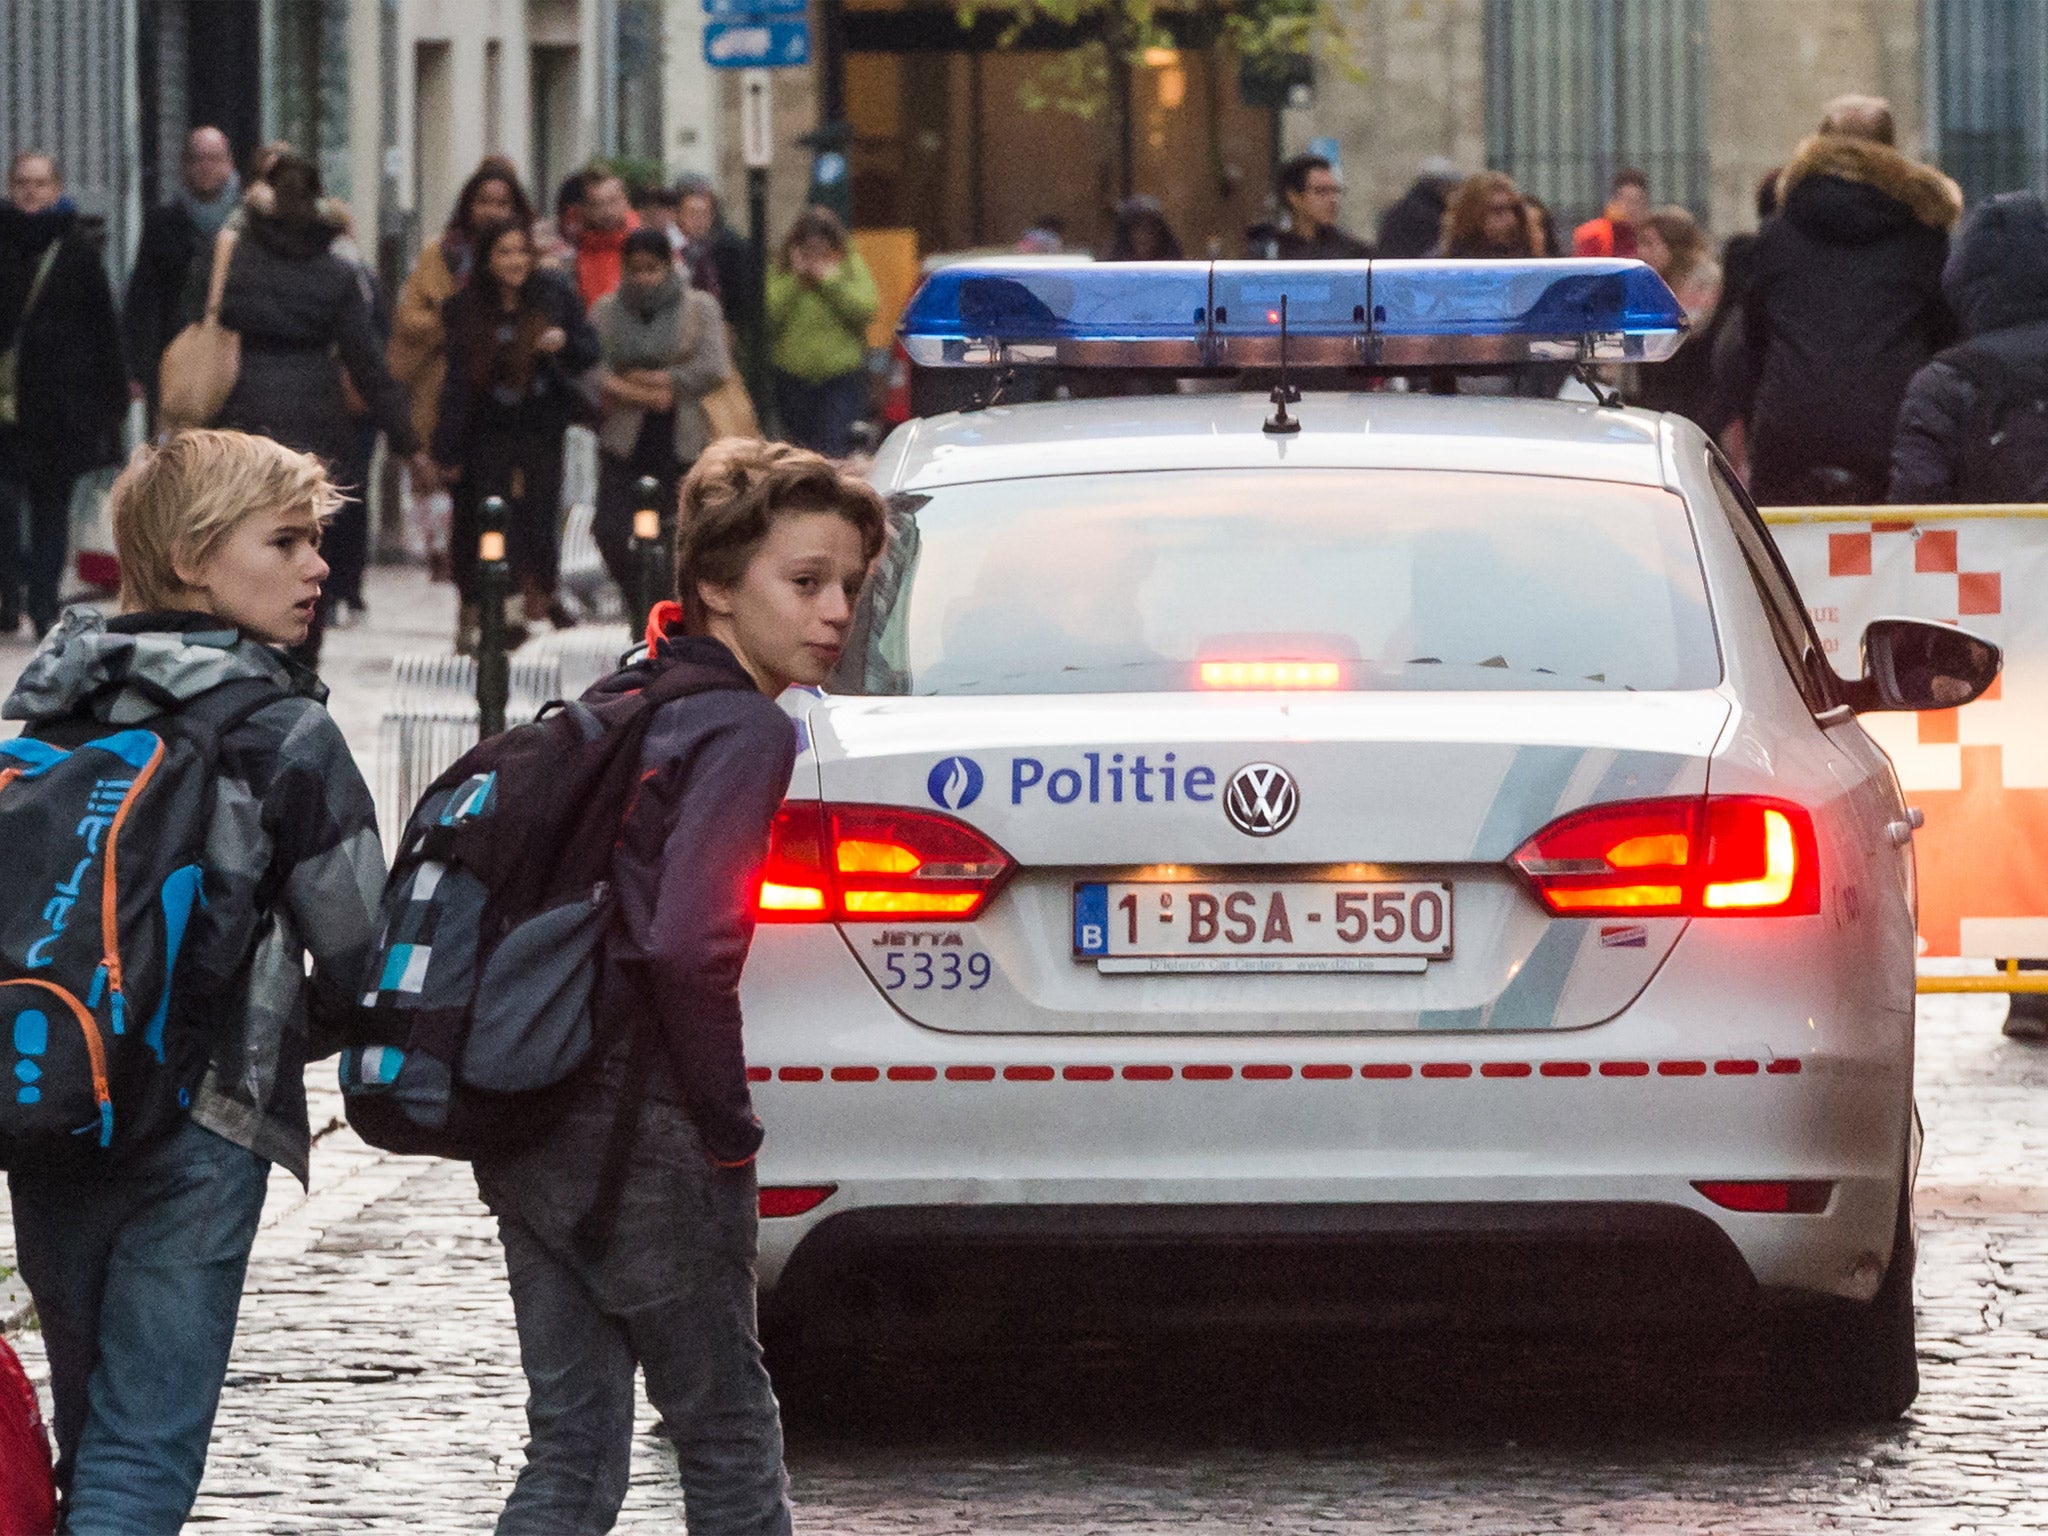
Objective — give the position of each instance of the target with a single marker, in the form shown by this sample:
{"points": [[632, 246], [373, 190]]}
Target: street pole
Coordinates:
{"points": [[646, 556], [757, 152], [757, 336], [494, 585]]}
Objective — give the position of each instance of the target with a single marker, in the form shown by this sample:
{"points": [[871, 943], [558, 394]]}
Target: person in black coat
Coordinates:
{"points": [[1997, 283], [518, 344], [702, 221], [63, 417], [1310, 191], [1845, 302], [1412, 226], [304, 318], [153, 311]]}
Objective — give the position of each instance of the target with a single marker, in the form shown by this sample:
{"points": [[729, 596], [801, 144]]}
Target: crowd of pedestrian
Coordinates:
{"points": [[1865, 342], [490, 354]]}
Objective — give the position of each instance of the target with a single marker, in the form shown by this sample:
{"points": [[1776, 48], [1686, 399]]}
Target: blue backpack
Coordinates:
{"points": [[106, 830]]}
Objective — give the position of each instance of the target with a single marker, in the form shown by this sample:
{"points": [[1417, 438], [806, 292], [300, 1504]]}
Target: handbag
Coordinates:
{"points": [[730, 410], [10, 360], [202, 362]]}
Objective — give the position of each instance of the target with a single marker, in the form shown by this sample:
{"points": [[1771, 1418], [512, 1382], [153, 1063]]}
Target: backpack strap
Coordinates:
{"points": [[212, 715], [593, 1231]]}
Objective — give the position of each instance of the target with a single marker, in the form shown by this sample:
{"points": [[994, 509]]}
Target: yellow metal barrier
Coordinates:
{"points": [[2011, 978], [1903, 514]]}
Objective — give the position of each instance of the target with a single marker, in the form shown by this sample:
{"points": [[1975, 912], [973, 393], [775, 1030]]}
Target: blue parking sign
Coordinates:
{"points": [[757, 42]]}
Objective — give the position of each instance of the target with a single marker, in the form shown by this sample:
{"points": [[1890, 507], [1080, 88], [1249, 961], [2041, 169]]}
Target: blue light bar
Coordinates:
{"points": [[1618, 310], [1115, 314], [1226, 314]]}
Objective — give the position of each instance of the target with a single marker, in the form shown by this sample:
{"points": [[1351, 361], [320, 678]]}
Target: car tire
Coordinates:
{"points": [[1853, 1363]]}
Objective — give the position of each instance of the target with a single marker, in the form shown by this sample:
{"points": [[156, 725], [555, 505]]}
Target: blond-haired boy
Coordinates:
{"points": [[137, 1267]]}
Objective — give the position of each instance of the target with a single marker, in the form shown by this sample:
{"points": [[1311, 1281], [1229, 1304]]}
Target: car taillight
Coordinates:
{"points": [[794, 1199], [876, 864], [896, 400], [1723, 855], [1776, 1197]]}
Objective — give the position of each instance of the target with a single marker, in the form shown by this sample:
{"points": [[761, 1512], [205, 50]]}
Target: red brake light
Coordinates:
{"points": [[1271, 674], [793, 880], [1726, 855], [876, 864], [1789, 1197], [794, 1199]]}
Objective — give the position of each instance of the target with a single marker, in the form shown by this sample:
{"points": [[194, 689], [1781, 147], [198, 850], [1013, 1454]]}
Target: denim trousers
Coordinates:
{"points": [[35, 536], [820, 415], [137, 1277], [673, 1292]]}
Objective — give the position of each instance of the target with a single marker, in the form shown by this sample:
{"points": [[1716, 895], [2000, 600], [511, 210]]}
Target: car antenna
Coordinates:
{"points": [[1280, 424], [1582, 370], [1000, 377]]}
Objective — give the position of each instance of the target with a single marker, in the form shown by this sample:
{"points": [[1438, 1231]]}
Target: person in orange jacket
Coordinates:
{"points": [[1614, 232], [608, 217]]}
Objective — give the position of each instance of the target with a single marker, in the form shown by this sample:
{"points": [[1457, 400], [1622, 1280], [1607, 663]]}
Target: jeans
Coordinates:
{"points": [[35, 536], [820, 416], [137, 1277], [673, 1292]]}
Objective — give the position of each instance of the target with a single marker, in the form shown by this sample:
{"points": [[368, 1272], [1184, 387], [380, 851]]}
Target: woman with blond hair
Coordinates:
{"points": [[1676, 248], [1486, 218]]}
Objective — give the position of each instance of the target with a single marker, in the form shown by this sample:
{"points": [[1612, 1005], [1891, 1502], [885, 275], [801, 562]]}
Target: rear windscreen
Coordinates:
{"points": [[1345, 579]]}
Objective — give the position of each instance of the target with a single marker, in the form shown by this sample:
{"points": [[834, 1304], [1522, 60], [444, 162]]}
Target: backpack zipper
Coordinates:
{"points": [[95, 1050], [110, 914]]}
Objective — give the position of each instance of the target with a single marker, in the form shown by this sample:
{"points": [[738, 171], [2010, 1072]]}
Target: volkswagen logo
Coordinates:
{"points": [[1261, 799]]}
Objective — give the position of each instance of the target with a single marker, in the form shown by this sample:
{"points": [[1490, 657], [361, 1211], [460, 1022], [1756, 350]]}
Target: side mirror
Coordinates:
{"points": [[1915, 664]]}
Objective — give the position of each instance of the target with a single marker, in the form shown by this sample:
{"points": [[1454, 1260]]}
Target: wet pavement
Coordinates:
{"points": [[375, 1385]]}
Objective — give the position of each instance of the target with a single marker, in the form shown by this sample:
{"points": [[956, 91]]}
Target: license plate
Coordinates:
{"points": [[1300, 925]]}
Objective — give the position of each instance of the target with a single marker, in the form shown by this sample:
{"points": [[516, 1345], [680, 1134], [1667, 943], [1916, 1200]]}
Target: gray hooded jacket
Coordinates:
{"points": [[293, 862]]}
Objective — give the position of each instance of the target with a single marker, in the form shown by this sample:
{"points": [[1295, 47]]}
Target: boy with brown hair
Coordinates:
{"points": [[136, 1255]]}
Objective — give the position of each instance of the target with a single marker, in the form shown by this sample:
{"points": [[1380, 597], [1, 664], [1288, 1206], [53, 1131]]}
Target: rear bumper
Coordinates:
{"points": [[889, 1273], [1358, 1146]]}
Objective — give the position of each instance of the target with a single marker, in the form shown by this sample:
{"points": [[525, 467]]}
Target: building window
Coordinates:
{"points": [[1576, 89], [309, 84], [1985, 65]]}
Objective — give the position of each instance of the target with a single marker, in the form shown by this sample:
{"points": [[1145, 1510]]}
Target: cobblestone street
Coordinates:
{"points": [[376, 1382]]}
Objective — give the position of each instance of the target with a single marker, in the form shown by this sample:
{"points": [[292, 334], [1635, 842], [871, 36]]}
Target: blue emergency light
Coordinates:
{"points": [[1227, 314]]}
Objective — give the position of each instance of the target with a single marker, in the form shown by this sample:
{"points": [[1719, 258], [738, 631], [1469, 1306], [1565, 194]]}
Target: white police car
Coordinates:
{"points": [[1420, 862]]}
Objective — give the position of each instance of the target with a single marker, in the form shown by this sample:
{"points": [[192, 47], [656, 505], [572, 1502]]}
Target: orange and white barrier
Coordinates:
{"points": [[1979, 773]]}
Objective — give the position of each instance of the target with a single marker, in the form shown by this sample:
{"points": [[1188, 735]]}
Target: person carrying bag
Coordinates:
{"points": [[204, 360], [10, 360], [629, 1222]]}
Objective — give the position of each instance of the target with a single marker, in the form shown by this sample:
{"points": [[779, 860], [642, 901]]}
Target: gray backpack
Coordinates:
{"points": [[475, 1016]]}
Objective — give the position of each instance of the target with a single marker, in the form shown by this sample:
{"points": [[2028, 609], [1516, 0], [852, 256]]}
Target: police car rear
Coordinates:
{"points": [[1371, 871]]}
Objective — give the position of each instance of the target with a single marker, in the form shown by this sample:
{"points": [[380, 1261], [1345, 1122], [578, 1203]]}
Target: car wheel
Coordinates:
{"points": [[1853, 1362]]}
